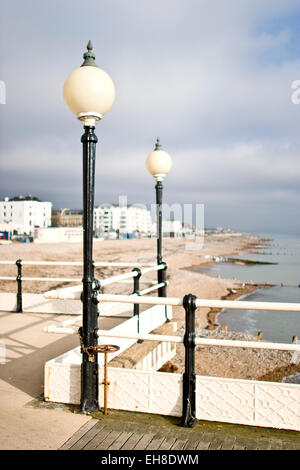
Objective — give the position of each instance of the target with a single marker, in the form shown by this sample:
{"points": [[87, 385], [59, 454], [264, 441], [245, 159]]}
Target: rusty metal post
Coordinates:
{"points": [[105, 348], [105, 382]]}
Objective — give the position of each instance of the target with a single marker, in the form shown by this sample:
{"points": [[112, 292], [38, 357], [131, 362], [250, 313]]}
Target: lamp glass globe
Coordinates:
{"points": [[89, 90], [158, 163]]}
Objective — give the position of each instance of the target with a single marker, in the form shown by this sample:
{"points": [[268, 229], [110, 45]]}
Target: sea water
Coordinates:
{"points": [[281, 327]]}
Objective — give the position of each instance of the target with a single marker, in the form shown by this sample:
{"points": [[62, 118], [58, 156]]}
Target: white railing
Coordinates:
{"points": [[272, 306], [74, 292], [135, 299], [45, 279], [243, 305], [78, 263], [65, 263], [204, 341]]}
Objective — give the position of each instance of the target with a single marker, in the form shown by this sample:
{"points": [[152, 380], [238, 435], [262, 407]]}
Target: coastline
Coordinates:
{"points": [[239, 293]]}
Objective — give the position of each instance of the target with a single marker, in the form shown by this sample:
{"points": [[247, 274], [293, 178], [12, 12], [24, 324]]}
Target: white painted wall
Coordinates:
{"points": [[252, 403]]}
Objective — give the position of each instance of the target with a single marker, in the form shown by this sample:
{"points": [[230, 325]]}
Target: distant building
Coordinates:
{"points": [[176, 229], [23, 214], [125, 221], [67, 218], [109, 220]]}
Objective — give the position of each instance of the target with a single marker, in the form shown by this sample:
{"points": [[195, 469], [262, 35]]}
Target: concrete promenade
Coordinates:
{"points": [[28, 423], [26, 349]]}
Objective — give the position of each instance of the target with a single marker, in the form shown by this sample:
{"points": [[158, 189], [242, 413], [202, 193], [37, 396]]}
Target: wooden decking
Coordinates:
{"points": [[135, 431]]}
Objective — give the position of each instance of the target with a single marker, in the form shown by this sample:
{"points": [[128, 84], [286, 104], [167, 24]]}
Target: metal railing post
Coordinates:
{"points": [[189, 377], [162, 277], [136, 291], [19, 308], [162, 291]]}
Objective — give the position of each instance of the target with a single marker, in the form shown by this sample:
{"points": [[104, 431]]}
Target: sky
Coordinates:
{"points": [[211, 78]]}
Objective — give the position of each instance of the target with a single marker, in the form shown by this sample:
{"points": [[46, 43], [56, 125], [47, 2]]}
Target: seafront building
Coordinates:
{"points": [[30, 216], [109, 220], [67, 218], [23, 214], [176, 229], [122, 221]]}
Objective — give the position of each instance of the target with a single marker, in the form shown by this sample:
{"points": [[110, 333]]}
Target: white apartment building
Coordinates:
{"points": [[126, 220], [24, 214]]}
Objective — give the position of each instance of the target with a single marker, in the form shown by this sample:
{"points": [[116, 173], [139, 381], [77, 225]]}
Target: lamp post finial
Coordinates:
{"points": [[157, 144], [89, 56]]}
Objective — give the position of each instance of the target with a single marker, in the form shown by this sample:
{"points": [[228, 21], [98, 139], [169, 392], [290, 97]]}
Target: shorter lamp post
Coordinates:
{"points": [[158, 164], [89, 93]]}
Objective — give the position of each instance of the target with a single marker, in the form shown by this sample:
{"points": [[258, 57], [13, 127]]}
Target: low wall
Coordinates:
{"points": [[148, 355], [252, 403], [62, 374]]}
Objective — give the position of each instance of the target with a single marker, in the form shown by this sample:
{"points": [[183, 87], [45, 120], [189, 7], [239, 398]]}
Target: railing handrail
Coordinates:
{"points": [[201, 341], [151, 288], [232, 304], [64, 327], [56, 279], [75, 291], [79, 263], [61, 279]]}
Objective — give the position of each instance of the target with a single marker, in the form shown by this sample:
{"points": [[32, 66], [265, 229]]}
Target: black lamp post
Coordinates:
{"points": [[161, 275], [89, 93], [158, 164]]}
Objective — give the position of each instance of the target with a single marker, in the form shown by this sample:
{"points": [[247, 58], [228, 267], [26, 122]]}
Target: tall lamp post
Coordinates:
{"points": [[158, 164], [89, 93]]}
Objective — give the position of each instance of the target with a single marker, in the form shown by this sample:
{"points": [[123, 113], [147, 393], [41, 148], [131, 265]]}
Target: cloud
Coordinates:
{"points": [[212, 79]]}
